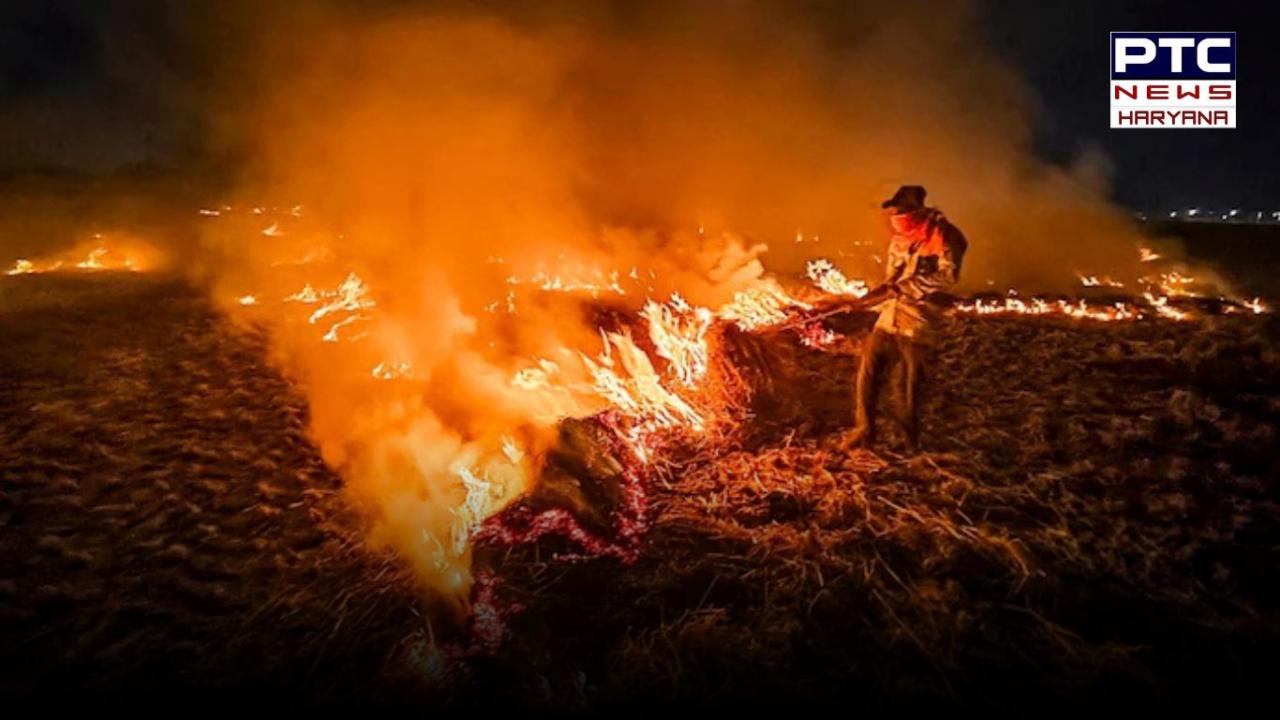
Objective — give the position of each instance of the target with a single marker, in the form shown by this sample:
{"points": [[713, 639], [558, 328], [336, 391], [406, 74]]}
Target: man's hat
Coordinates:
{"points": [[908, 197]]}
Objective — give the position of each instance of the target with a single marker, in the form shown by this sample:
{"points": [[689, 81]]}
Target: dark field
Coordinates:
{"points": [[1095, 520], [1247, 254], [167, 527]]}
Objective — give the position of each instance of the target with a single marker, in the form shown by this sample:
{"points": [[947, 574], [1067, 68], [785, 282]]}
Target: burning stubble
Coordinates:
{"points": [[456, 207]]}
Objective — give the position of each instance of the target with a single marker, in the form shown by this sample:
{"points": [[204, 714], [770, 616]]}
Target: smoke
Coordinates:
{"points": [[450, 157]]}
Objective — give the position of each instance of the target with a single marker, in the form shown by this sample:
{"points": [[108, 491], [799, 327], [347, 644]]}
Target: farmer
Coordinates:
{"points": [[924, 258]]}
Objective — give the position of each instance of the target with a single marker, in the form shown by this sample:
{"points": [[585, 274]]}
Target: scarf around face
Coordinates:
{"points": [[923, 228]]}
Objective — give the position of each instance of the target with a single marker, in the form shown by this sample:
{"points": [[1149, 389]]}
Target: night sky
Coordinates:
{"points": [[1062, 50], [97, 87]]}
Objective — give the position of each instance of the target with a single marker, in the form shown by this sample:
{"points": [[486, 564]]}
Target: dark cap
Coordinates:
{"points": [[908, 198]]}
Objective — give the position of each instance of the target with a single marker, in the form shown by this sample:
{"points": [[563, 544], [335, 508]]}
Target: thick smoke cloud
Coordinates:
{"points": [[447, 152], [440, 153], [766, 119]]}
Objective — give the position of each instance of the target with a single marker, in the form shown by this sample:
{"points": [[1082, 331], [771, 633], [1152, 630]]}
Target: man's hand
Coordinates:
{"points": [[847, 304], [878, 294]]}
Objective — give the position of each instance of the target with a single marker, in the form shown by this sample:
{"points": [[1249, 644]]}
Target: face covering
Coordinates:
{"points": [[905, 223], [920, 228]]}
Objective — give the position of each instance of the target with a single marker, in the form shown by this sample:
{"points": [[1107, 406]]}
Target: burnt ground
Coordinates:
{"points": [[166, 528], [1095, 520]]}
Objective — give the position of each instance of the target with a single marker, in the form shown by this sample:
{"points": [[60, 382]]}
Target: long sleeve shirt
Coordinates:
{"points": [[924, 257]]}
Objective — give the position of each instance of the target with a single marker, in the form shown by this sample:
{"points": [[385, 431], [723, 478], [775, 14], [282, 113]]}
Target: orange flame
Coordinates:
{"points": [[829, 279], [99, 253]]}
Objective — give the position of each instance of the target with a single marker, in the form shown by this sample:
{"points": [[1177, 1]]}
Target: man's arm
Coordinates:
{"points": [[880, 293], [889, 288], [875, 296]]}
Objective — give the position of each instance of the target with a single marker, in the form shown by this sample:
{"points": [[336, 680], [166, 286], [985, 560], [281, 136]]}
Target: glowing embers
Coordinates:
{"points": [[487, 492], [1078, 309], [102, 253], [350, 297], [392, 371], [22, 266], [625, 376], [679, 333], [1158, 294], [667, 388], [536, 378], [1162, 308], [760, 307], [1091, 281], [1174, 284], [628, 518], [593, 283], [1256, 306], [479, 482], [307, 294]]}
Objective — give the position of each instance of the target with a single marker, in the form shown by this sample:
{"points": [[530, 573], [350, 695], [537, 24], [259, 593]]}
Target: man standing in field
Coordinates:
{"points": [[924, 258]]}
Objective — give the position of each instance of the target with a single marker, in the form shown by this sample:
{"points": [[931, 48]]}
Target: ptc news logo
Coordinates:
{"points": [[1173, 79]]}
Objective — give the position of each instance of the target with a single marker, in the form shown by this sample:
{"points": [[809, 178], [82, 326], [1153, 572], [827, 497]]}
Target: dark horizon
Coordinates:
{"points": [[1061, 50], [94, 91]]}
